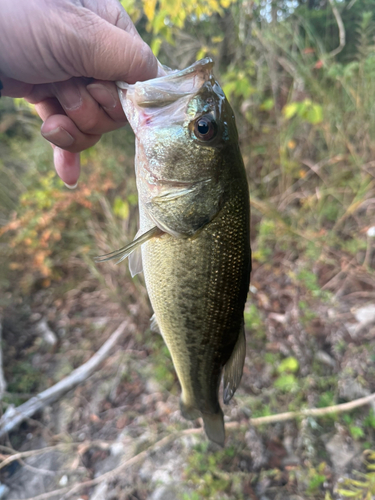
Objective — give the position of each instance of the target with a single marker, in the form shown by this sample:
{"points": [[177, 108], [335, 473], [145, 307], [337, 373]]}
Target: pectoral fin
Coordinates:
{"points": [[234, 367], [172, 193], [182, 209], [124, 252]]}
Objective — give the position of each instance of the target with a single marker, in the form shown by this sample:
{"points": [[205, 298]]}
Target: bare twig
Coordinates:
{"points": [[313, 412], [14, 416], [67, 492], [63, 447], [30, 453], [340, 24]]}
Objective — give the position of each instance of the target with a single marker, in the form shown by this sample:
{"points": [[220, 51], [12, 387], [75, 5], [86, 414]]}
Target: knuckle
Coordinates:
{"points": [[90, 124]]}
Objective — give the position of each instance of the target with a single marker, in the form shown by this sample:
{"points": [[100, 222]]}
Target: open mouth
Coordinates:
{"points": [[164, 90]]}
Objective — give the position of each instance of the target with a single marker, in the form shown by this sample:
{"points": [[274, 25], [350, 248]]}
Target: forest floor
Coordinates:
{"points": [[305, 349]]}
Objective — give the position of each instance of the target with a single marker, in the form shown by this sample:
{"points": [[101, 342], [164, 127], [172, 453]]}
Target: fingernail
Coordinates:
{"points": [[69, 97], [59, 136], [102, 95], [71, 186]]}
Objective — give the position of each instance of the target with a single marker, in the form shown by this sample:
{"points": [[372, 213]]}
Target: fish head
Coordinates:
{"points": [[184, 126]]}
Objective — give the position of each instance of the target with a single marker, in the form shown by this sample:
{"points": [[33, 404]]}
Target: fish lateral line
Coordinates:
{"points": [[125, 251]]}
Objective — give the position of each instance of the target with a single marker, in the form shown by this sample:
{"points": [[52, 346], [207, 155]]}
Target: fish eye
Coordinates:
{"points": [[205, 128]]}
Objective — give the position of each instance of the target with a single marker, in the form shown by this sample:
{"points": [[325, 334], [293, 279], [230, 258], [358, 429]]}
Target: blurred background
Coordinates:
{"points": [[300, 76]]}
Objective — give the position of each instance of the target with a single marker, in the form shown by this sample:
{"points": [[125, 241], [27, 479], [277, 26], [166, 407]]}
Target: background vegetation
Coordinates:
{"points": [[301, 79]]}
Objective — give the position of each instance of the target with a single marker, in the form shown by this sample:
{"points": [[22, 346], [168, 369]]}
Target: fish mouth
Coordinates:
{"points": [[175, 84]]}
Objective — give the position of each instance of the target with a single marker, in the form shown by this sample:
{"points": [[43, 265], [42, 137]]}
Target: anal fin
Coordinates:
{"points": [[234, 367]]}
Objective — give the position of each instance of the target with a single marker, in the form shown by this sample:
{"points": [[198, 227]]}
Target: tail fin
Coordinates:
{"points": [[214, 427], [213, 422]]}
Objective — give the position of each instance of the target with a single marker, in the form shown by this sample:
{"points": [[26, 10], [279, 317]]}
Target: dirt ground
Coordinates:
{"points": [[120, 434]]}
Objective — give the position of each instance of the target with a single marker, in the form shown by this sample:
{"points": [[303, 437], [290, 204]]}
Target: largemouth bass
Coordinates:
{"points": [[194, 231]]}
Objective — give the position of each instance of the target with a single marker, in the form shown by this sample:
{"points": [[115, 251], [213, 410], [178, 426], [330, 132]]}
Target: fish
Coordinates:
{"points": [[193, 243]]}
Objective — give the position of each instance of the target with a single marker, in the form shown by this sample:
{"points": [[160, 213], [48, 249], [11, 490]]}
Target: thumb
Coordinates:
{"points": [[110, 53]]}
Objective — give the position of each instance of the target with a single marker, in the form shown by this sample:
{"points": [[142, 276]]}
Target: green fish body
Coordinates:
{"points": [[194, 232]]}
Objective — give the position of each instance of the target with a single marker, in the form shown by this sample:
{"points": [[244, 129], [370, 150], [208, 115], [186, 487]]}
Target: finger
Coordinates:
{"points": [[61, 131], [95, 108], [14, 88], [104, 92], [110, 53], [48, 107], [85, 111], [67, 166]]}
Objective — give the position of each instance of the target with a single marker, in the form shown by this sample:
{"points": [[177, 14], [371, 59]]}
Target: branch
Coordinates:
{"points": [[81, 447], [14, 416], [68, 491], [340, 24], [312, 412]]}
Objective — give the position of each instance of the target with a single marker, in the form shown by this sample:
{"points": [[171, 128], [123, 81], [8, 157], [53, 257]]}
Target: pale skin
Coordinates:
{"points": [[64, 56]]}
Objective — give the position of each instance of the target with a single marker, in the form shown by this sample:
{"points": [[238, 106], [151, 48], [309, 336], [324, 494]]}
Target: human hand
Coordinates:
{"points": [[63, 56]]}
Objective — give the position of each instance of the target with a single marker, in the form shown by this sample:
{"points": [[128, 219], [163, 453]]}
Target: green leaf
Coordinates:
{"points": [[286, 383], [356, 432], [201, 53], [314, 114], [289, 110], [288, 365], [133, 199], [229, 88], [348, 493], [267, 105], [155, 45], [316, 481], [369, 421], [121, 208]]}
